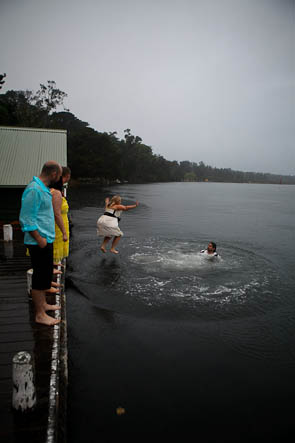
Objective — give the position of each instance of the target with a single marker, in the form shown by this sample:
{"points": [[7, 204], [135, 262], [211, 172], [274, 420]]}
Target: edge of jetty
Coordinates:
{"points": [[47, 420]]}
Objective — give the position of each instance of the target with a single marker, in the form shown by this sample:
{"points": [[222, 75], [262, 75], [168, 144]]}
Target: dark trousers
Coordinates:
{"points": [[42, 264]]}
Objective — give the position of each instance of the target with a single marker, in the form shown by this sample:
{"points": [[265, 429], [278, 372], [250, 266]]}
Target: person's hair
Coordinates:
{"points": [[66, 171], [114, 200], [58, 185], [49, 168], [214, 245]]}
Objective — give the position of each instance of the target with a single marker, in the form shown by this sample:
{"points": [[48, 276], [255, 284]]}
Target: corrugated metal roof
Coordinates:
{"points": [[23, 152]]}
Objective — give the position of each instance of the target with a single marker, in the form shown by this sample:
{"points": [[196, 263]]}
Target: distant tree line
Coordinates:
{"points": [[102, 156]]}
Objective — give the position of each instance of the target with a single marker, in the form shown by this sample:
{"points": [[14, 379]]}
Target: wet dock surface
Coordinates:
{"points": [[19, 332]]}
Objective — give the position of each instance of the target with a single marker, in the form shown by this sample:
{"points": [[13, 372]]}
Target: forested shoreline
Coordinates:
{"points": [[103, 157]]}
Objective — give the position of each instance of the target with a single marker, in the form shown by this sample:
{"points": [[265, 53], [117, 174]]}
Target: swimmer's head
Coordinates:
{"points": [[211, 247]]}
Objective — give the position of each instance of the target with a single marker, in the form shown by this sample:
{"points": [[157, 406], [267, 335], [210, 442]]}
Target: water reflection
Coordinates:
{"points": [[110, 271], [8, 249], [106, 314]]}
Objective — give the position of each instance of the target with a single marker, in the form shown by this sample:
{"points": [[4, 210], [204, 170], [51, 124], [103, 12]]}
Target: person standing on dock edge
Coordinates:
{"points": [[60, 209], [37, 222]]}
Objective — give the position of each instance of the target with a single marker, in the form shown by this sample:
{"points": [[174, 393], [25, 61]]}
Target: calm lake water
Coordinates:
{"points": [[184, 345]]}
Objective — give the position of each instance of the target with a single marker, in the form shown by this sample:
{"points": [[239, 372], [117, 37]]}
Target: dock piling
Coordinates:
{"points": [[7, 232]]}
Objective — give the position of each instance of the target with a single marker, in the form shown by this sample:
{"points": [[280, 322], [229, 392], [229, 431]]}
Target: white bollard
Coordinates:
{"points": [[7, 232], [24, 392], [29, 281]]}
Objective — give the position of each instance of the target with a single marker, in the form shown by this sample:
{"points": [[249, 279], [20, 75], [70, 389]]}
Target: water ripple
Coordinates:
{"points": [[172, 274]]}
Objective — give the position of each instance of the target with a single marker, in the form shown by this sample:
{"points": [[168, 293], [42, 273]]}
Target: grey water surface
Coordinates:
{"points": [[184, 345]]}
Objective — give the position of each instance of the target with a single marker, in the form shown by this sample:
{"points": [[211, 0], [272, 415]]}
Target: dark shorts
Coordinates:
{"points": [[42, 264]]}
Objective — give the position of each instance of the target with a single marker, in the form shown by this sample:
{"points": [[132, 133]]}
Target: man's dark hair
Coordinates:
{"points": [[58, 185], [50, 167], [65, 171], [214, 245]]}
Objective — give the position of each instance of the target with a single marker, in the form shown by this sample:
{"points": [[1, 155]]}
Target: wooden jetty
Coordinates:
{"points": [[47, 345]]}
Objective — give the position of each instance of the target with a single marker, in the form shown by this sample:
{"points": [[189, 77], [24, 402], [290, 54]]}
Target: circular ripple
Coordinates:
{"points": [[172, 275], [169, 271]]}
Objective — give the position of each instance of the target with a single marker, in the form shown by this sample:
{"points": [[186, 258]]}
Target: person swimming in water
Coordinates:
{"points": [[210, 252]]}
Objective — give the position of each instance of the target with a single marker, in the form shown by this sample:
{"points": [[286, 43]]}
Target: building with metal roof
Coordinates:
{"points": [[23, 151]]}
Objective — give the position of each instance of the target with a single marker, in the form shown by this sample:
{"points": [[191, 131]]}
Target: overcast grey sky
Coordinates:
{"points": [[199, 80]]}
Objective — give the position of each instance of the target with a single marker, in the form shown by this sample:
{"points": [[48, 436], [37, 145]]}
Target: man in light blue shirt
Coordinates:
{"points": [[37, 222]]}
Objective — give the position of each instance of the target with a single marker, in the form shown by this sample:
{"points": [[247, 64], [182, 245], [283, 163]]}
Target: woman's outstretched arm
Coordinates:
{"points": [[125, 208]]}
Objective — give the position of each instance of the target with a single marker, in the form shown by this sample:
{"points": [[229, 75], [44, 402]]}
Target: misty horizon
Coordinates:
{"points": [[210, 81]]}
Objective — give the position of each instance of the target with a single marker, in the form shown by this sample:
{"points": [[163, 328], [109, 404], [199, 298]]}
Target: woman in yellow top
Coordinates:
{"points": [[61, 208]]}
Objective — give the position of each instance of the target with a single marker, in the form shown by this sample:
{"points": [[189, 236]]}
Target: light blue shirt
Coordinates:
{"points": [[37, 212]]}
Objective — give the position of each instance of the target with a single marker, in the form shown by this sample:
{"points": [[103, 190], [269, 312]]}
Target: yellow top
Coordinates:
{"points": [[60, 247]]}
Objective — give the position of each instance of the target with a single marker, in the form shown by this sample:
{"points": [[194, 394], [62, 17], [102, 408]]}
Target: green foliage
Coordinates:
{"points": [[190, 177], [17, 110], [2, 81], [48, 97], [102, 156]]}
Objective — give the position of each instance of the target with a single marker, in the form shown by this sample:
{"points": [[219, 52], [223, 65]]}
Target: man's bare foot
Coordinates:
{"points": [[48, 307], [103, 249], [46, 320], [56, 271], [114, 251], [51, 291]]}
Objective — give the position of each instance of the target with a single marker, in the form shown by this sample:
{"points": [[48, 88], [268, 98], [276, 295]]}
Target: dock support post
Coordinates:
{"points": [[24, 392], [7, 232]]}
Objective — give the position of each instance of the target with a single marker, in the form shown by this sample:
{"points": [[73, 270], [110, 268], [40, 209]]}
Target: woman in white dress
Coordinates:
{"points": [[108, 223]]}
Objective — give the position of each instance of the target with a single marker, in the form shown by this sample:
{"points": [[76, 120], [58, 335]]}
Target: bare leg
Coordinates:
{"points": [[114, 244], [39, 301], [104, 243]]}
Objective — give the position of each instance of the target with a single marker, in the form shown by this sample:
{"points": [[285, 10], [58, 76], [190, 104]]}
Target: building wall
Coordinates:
{"points": [[10, 204]]}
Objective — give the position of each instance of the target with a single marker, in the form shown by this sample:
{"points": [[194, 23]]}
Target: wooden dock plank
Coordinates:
{"points": [[19, 332]]}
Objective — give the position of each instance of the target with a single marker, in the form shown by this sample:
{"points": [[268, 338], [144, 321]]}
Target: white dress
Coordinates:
{"points": [[209, 256], [108, 225]]}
